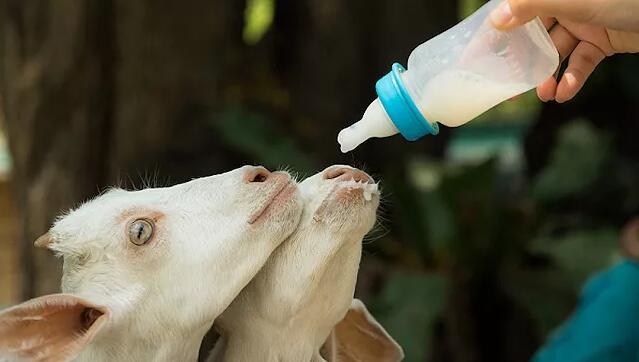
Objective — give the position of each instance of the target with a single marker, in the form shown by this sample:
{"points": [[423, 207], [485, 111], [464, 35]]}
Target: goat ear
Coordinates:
{"points": [[43, 241], [359, 337], [630, 239], [51, 328]]}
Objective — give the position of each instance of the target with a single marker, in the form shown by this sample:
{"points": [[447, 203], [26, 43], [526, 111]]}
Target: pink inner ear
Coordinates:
{"points": [[359, 337], [50, 328], [43, 241]]}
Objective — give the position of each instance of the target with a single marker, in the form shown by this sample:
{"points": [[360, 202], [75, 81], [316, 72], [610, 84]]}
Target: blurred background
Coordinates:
{"points": [[486, 234]]}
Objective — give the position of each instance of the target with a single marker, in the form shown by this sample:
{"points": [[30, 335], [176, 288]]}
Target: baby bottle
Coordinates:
{"points": [[454, 77]]}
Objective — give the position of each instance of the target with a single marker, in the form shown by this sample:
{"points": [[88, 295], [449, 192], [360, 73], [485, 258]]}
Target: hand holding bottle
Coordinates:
{"points": [[584, 32]]}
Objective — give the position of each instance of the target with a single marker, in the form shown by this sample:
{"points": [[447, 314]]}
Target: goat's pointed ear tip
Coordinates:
{"points": [[391, 349], [44, 241], [357, 304]]}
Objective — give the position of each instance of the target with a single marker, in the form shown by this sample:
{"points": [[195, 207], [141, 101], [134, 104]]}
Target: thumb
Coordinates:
{"points": [[513, 13]]}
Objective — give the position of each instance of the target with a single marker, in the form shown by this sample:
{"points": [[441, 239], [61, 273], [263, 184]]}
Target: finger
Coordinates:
{"points": [[549, 22], [581, 64], [546, 91], [564, 41], [512, 13]]}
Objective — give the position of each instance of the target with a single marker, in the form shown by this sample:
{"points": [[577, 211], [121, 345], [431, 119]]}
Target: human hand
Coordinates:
{"points": [[584, 32]]}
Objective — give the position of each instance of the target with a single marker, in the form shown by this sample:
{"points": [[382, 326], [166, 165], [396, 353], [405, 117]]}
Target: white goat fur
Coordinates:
{"points": [[162, 297], [306, 287]]}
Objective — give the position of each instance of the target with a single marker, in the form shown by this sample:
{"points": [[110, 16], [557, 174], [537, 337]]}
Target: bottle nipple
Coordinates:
{"points": [[351, 137], [374, 123]]}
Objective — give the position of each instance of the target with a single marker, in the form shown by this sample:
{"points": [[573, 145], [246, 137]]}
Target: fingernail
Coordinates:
{"points": [[502, 15], [571, 80], [543, 98]]}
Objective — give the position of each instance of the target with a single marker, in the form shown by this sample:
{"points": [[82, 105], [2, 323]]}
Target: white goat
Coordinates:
{"points": [[293, 305], [147, 272]]}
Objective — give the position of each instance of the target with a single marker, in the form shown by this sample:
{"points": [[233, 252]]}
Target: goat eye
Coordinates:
{"points": [[140, 231]]}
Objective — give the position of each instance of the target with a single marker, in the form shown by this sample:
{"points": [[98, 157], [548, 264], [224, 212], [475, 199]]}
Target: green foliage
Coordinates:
{"points": [[476, 142], [258, 18], [463, 221], [408, 307], [547, 295], [263, 140], [435, 216], [522, 109], [580, 253], [467, 7], [5, 156], [575, 162], [463, 211], [463, 224]]}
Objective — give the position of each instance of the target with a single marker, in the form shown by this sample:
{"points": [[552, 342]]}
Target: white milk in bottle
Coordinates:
{"points": [[454, 77]]}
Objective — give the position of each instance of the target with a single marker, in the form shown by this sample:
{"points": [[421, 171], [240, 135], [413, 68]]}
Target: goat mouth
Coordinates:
{"points": [[283, 192], [347, 192]]}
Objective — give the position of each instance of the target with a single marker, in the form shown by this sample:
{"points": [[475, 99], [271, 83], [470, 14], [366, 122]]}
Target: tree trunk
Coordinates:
{"points": [[172, 67], [57, 96], [97, 91]]}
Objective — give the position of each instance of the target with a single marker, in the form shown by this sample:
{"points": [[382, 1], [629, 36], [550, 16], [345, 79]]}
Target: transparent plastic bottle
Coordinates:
{"points": [[454, 77]]}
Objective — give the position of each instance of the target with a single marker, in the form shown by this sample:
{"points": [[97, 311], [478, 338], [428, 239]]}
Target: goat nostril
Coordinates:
{"points": [[260, 177], [361, 176], [347, 174], [335, 173], [259, 174]]}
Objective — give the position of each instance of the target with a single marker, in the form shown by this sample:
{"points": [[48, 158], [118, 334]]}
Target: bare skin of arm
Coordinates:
{"points": [[585, 32]]}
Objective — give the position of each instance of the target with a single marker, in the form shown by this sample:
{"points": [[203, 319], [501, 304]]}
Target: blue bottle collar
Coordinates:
{"points": [[401, 108]]}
